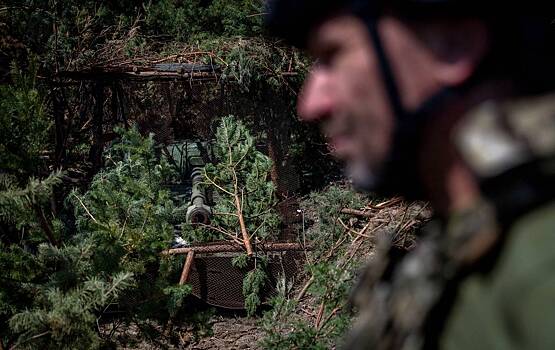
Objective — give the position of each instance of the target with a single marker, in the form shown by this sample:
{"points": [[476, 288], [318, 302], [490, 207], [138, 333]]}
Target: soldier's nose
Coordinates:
{"points": [[316, 98]]}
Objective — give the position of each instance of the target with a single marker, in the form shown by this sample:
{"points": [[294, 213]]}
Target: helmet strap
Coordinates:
{"points": [[400, 173]]}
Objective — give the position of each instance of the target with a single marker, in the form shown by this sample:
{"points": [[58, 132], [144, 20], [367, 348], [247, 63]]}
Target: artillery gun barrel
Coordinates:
{"points": [[198, 211]]}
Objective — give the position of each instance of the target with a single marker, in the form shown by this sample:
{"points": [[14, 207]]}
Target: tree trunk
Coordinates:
{"points": [[246, 239]]}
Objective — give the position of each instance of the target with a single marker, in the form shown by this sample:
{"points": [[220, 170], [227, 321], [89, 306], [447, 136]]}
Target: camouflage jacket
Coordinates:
{"points": [[484, 278]]}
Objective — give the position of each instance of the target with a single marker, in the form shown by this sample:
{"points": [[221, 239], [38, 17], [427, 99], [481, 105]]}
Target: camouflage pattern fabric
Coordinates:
{"points": [[481, 278]]}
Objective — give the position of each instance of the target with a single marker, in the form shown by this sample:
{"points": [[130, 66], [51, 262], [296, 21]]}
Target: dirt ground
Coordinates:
{"points": [[231, 333]]}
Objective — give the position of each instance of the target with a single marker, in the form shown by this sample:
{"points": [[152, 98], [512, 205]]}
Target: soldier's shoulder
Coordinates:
{"points": [[515, 299], [496, 136]]}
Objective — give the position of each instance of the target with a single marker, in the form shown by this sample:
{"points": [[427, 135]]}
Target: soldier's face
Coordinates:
{"points": [[345, 93]]}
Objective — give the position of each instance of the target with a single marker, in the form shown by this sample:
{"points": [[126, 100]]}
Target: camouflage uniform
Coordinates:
{"points": [[484, 278]]}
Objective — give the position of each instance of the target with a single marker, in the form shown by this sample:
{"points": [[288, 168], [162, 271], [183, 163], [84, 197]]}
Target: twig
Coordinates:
{"points": [[29, 339], [257, 14], [246, 239], [349, 230], [216, 185], [227, 247], [311, 314], [84, 207], [305, 288], [221, 231], [356, 212], [388, 203], [319, 315], [332, 313], [125, 222], [353, 253], [338, 243], [361, 232]]}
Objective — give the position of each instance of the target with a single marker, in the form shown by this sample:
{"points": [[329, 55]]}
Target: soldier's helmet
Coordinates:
{"points": [[521, 49], [525, 28]]}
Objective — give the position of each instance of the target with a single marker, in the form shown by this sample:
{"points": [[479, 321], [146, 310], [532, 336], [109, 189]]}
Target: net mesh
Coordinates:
{"points": [[189, 110]]}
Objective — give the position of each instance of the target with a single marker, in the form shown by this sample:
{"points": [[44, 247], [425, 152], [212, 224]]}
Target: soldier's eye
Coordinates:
{"points": [[327, 56]]}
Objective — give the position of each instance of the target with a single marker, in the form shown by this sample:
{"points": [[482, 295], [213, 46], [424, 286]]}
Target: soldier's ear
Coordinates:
{"points": [[457, 48]]}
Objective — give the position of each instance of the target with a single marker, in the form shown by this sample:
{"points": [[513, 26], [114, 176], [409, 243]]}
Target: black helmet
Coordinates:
{"points": [[293, 19], [526, 28]]}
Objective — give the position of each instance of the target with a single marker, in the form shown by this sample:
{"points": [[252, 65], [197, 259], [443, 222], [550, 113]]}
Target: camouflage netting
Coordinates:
{"points": [[186, 107]]}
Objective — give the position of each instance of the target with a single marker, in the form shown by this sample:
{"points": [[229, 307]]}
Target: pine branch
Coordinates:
{"points": [[216, 185], [221, 230], [29, 339], [86, 210]]}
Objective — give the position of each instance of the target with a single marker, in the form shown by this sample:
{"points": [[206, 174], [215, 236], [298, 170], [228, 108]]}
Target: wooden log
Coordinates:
{"points": [[221, 248], [356, 212], [187, 267]]}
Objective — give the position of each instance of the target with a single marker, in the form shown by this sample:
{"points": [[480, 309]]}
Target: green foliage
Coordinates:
{"points": [[127, 213], [50, 299], [332, 267], [240, 261], [18, 206], [327, 206], [240, 179], [66, 319], [194, 20], [23, 123], [241, 171], [176, 296], [284, 330], [67, 32], [126, 209], [52, 294], [178, 21], [252, 286]]}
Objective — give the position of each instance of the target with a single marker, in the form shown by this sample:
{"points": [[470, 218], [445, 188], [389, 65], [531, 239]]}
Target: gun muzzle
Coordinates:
{"points": [[198, 211]]}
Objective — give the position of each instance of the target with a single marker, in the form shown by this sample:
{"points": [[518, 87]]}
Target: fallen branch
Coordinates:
{"points": [[388, 203], [326, 320], [31, 338], [305, 288], [319, 315], [366, 214]]}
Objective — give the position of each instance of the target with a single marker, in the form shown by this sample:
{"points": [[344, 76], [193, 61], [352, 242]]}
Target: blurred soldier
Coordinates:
{"points": [[452, 102]]}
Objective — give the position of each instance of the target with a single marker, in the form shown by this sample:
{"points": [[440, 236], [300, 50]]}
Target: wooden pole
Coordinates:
{"points": [[221, 248], [187, 267]]}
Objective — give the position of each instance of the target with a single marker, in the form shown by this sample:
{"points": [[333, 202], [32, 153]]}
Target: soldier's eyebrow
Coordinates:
{"points": [[323, 47], [327, 38]]}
